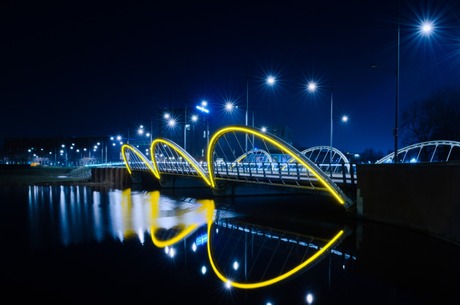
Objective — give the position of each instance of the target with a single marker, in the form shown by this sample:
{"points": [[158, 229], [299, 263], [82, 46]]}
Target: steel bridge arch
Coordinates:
{"points": [[311, 150], [141, 156], [295, 154], [206, 211], [389, 158], [253, 152], [183, 153]]}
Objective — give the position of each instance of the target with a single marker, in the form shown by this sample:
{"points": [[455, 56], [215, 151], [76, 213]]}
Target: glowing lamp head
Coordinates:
{"points": [[271, 80], [229, 106], [311, 86], [426, 28]]}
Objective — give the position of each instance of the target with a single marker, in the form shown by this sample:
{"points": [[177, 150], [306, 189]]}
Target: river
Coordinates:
{"points": [[93, 245]]}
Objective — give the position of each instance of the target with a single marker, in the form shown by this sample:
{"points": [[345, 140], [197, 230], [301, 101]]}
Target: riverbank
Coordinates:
{"points": [[43, 175]]}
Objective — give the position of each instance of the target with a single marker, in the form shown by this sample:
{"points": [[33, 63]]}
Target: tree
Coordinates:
{"points": [[437, 118], [369, 155]]}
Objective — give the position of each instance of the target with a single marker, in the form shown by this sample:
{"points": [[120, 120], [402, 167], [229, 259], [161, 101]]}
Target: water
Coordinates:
{"points": [[87, 245]]}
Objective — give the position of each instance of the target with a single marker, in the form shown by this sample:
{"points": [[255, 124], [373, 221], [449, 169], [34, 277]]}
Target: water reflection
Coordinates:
{"points": [[82, 244], [272, 255], [242, 254], [80, 214]]}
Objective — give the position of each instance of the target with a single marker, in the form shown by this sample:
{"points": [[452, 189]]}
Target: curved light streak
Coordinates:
{"points": [[275, 279], [181, 152], [272, 141], [175, 239], [207, 206], [140, 155]]}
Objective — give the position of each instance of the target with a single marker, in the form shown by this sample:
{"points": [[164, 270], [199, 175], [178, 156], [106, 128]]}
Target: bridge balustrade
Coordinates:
{"points": [[279, 170]]}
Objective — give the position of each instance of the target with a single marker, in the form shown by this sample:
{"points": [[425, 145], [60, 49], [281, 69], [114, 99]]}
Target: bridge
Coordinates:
{"points": [[247, 160]]}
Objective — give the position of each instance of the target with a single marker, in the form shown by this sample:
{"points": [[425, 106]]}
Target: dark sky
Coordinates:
{"points": [[76, 68]]}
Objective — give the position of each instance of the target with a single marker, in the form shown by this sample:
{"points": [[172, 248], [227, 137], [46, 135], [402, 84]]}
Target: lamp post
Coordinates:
{"points": [[203, 107], [271, 80], [426, 28], [312, 87], [395, 130], [187, 126]]}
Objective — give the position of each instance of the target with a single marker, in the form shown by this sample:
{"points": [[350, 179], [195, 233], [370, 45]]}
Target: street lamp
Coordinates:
{"points": [[426, 28], [312, 87], [203, 107], [230, 107], [170, 124], [187, 126], [270, 80]]}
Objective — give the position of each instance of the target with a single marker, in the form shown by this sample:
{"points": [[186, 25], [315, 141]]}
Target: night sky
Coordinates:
{"points": [[74, 68]]}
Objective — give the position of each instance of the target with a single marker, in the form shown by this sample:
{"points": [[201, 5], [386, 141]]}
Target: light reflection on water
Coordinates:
{"points": [[207, 245], [80, 214], [83, 216]]}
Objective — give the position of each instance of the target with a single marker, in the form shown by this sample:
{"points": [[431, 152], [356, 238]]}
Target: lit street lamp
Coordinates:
{"points": [[187, 126], [312, 87], [230, 107], [426, 28], [271, 80], [203, 107]]}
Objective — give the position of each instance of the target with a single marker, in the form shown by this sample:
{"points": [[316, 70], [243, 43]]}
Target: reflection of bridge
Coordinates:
{"points": [[244, 159]]}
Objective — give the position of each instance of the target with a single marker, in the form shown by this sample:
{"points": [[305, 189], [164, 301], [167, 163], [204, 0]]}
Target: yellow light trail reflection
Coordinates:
{"points": [[200, 216], [274, 280]]}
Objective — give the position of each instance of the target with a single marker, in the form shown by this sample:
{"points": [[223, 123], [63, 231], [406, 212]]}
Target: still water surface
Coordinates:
{"points": [[86, 245]]}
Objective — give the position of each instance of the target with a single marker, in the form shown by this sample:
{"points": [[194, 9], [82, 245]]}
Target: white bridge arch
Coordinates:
{"points": [[429, 151]]}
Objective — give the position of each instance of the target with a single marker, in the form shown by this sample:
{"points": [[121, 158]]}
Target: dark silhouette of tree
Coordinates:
{"points": [[436, 118], [369, 155]]}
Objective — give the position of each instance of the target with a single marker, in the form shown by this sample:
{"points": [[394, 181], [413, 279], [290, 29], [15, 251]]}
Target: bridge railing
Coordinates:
{"points": [[343, 173], [284, 172]]}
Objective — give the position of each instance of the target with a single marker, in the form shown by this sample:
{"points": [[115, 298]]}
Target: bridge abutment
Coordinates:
{"points": [[422, 196], [111, 175]]}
